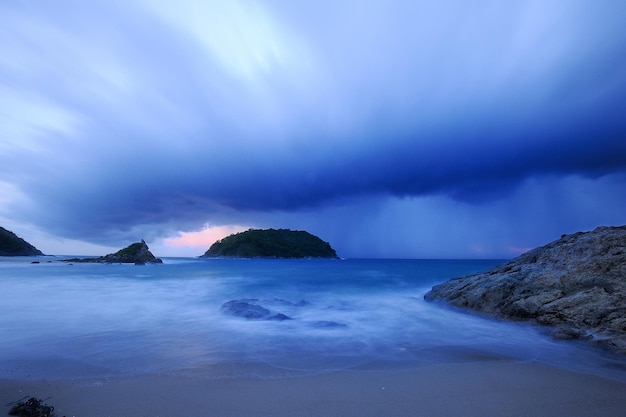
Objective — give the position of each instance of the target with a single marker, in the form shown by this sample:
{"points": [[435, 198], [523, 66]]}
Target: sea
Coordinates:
{"points": [[80, 320]]}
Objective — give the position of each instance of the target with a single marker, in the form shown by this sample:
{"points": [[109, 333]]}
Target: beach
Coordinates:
{"points": [[485, 388]]}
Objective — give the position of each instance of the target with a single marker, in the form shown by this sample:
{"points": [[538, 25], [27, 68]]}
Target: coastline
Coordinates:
{"points": [[483, 388], [97, 349]]}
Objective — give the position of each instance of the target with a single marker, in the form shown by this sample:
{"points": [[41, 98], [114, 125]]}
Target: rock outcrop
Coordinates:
{"points": [[137, 253], [249, 309], [12, 245], [576, 285], [273, 310], [271, 243]]}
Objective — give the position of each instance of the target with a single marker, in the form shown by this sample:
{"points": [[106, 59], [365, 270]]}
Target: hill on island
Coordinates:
{"points": [[137, 253], [271, 243], [12, 245]]}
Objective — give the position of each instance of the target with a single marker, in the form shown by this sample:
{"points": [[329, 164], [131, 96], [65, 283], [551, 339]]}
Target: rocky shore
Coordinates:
{"points": [[576, 285]]}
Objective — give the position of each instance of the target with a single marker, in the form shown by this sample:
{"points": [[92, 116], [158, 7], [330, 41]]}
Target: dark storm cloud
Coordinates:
{"points": [[148, 114]]}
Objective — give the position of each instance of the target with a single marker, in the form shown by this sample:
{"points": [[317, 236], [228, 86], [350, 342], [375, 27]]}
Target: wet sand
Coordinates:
{"points": [[486, 388]]}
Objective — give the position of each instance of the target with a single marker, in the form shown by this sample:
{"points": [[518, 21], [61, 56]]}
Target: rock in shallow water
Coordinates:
{"points": [[247, 309], [576, 284], [329, 324]]}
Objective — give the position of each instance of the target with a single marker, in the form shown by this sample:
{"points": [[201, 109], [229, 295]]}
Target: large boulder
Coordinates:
{"points": [[249, 309], [576, 284]]}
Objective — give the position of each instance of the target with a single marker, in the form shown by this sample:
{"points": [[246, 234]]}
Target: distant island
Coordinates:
{"points": [[576, 285], [12, 245], [271, 243], [137, 253]]}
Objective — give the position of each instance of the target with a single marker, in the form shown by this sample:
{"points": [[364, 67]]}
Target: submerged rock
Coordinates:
{"points": [[329, 324], [300, 303], [576, 284], [245, 309], [279, 317], [248, 309]]}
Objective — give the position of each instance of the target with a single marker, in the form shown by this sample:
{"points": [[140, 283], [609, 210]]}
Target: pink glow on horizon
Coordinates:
{"points": [[478, 249], [517, 250], [204, 238]]}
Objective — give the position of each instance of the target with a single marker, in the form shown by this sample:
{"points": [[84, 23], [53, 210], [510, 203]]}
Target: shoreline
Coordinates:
{"points": [[483, 388]]}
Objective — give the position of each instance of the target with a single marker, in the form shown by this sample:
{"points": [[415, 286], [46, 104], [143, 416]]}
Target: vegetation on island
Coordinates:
{"points": [[12, 245], [131, 250], [33, 407], [271, 243]]}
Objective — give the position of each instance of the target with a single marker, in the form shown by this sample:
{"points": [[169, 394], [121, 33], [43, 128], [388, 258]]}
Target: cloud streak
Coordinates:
{"points": [[149, 117]]}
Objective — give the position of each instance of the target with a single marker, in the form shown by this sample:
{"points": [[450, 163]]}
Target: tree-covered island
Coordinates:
{"points": [[13, 245], [271, 243]]}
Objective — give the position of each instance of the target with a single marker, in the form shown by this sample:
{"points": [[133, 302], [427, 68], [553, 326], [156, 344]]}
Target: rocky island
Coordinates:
{"points": [[12, 245], [576, 285], [138, 253], [271, 243]]}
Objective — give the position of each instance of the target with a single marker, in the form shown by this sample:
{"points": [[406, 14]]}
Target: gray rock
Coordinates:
{"points": [[576, 284], [279, 317], [247, 309], [286, 303], [243, 308], [329, 324]]}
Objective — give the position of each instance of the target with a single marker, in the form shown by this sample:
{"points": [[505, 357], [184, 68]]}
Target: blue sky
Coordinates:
{"points": [[417, 129]]}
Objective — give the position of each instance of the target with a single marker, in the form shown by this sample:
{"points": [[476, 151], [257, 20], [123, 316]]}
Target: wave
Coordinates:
{"points": [[120, 319]]}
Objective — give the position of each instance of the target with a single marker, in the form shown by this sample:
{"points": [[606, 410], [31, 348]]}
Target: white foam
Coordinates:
{"points": [[113, 318]]}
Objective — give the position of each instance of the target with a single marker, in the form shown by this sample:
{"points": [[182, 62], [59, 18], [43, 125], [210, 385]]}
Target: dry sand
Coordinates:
{"points": [[486, 388]]}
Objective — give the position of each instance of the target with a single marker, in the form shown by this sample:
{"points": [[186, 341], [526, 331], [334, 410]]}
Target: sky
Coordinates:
{"points": [[393, 129]]}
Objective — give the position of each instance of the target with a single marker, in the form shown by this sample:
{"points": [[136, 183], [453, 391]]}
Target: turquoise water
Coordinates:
{"points": [[80, 320]]}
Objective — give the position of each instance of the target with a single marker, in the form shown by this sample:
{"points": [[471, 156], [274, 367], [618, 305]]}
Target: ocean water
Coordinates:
{"points": [[91, 320]]}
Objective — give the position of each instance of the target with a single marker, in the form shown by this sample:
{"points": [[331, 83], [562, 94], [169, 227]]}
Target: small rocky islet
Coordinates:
{"points": [[576, 285], [137, 253]]}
